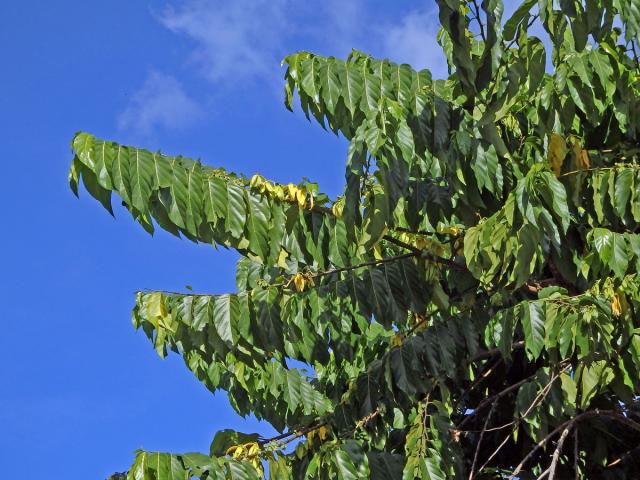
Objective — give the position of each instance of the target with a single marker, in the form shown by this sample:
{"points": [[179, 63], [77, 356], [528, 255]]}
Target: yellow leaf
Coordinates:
{"points": [[310, 437], [557, 153], [618, 305], [584, 159], [280, 192], [301, 197], [299, 281], [238, 452], [256, 181], [323, 432], [282, 259], [268, 187], [156, 308], [421, 243], [396, 340], [252, 448], [446, 230], [580, 157], [338, 207], [291, 192]]}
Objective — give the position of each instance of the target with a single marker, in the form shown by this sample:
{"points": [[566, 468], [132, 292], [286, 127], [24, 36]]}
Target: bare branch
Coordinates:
{"points": [[484, 429]]}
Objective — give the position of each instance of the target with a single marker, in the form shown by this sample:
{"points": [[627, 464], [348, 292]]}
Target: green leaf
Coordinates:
{"points": [[521, 15], [532, 319], [346, 469]]}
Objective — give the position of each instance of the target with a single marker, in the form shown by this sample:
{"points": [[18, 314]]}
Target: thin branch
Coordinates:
{"points": [[556, 453], [480, 24], [366, 264], [492, 399], [479, 380], [484, 429], [495, 452], [291, 435], [536, 401], [612, 414], [575, 454], [630, 454], [494, 351], [515, 38], [517, 422], [425, 254]]}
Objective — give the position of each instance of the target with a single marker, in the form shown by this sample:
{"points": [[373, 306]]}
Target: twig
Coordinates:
{"points": [[536, 401], [475, 456], [556, 453], [612, 414], [291, 435], [575, 454], [633, 453], [493, 399], [479, 380], [477, 9], [494, 351], [425, 254], [495, 452]]}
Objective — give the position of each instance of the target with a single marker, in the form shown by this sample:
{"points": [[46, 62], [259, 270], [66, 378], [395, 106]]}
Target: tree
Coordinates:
{"points": [[468, 308]]}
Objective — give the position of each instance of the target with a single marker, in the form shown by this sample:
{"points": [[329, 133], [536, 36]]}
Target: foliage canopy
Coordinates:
{"points": [[468, 308]]}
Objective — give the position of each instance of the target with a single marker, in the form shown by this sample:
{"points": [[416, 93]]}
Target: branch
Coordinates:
{"points": [[425, 254], [612, 414], [629, 455], [556, 454], [536, 401], [575, 454], [291, 435], [494, 351], [492, 399], [366, 264], [480, 24], [484, 429]]}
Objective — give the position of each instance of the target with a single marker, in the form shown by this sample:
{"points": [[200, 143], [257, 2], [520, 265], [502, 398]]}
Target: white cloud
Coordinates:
{"points": [[413, 41], [161, 103], [235, 40]]}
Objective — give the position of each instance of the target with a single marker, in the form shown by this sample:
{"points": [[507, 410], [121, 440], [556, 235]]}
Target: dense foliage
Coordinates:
{"points": [[468, 308]]}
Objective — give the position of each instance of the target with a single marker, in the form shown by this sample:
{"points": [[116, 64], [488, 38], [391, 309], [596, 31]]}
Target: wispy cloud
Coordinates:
{"points": [[161, 103], [236, 40], [413, 41], [235, 43]]}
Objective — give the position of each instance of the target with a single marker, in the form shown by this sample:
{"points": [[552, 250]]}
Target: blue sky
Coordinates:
{"points": [[80, 390]]}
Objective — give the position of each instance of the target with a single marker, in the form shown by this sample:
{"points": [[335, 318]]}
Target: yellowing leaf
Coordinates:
{"points": [[156, 308], [257, 181], [618, 305], [338, 207], [396, 340], [301, 197], [446, 230], [323, 432], [299, 281], [280, 192], [584, 159], [291, 192], [252, 448], [557, 153], [282, 259], [580, 157]]}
